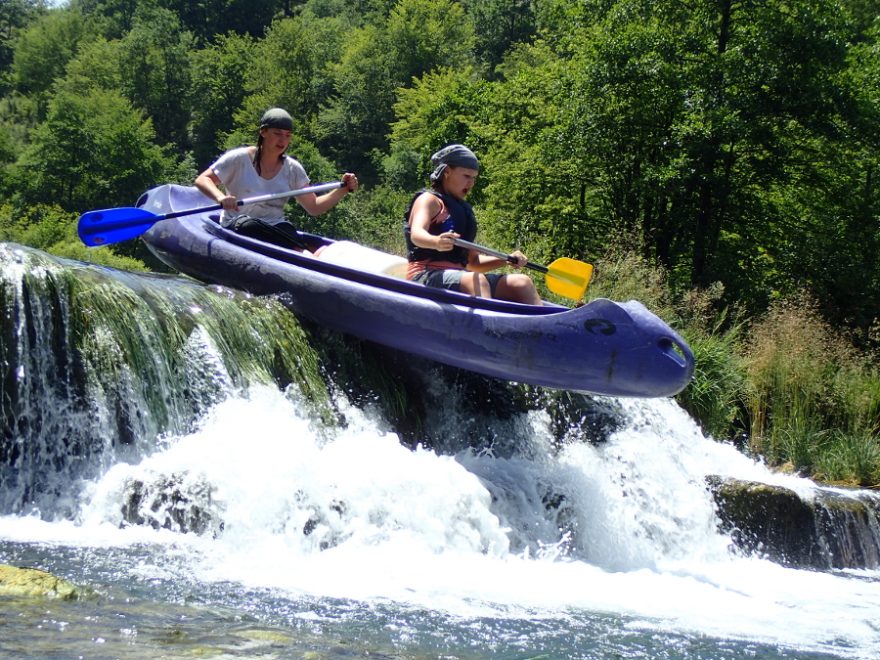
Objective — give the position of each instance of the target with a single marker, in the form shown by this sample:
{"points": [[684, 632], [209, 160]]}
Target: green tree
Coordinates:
{"points": [[678, 127], [14, 15], [218, 74], [423, 35], [156, 73], [498, 25], [537, 174], [116, 17], [831, 238], [353, 122], [93, 151], [42, 50], [281, 74], [418, 37], [438, 109], [208, 18], [96, 66]]}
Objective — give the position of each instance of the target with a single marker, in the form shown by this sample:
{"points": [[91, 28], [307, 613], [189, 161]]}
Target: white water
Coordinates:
{"points": [[420, 529]]}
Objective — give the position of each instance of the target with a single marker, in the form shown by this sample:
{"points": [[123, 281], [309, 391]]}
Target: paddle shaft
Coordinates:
{"points": [[320, 188], [566, 277], [509, 258], [120, 224]]}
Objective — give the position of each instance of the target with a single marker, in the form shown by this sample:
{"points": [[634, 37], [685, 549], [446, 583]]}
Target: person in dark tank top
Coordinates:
{"points": [[437, 216]]}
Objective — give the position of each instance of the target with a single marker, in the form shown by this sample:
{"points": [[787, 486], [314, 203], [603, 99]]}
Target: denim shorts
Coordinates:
{"points": [[450, 278]]}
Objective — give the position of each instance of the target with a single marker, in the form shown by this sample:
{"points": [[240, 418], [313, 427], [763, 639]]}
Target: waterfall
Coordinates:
{"points": [[111, 382], [207, 452], [97, 365]]}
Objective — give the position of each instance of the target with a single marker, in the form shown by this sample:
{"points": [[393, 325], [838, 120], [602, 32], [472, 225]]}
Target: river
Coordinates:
{"points": [[326, 536]]}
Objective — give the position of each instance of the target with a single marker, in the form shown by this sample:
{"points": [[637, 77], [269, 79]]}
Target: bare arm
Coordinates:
{"points": [[425, 209], [315, 205], [209, 184], [483, 263]]}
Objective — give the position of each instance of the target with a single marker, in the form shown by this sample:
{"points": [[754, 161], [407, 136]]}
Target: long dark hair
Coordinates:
{"points": [[260, 153]]}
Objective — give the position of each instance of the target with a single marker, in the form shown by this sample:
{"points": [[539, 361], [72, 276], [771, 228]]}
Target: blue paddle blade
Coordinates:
{"points": [[107, 226]]}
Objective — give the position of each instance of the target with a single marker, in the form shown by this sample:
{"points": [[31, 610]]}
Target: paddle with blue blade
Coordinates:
{"points": [[565, 277], [121, 224]]}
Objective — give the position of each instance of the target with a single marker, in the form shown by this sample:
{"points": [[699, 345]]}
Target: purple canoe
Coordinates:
{"points": [[602, 347]]}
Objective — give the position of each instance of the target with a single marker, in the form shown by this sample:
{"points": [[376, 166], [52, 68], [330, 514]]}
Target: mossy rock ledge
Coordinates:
{"points": [[22, 582], [833, 530]]}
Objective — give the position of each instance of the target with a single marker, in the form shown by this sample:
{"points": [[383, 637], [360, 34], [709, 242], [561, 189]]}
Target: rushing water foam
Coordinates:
{"points": [[358, 516], [256, 499]]}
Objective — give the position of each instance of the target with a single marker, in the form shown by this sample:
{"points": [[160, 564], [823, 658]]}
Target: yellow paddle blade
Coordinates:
{"points": [[569, 278]]}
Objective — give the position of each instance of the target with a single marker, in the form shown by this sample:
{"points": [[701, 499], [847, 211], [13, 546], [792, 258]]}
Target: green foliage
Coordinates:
{"points": [[115, 16], [420, 36], [717, 393], [14, 15], [42, 50], [218, 72], [92, 150], [353, 123], [280, 74], [95, 66], [7, 153], [812, 400], [498, 25], [40, 226], [423, 35], [714, 396], [208, 18], [434, 112], [16, 114], [645, 119], [850, 458], [155, 71], [50, 228], [706, 156], [623, 274]]}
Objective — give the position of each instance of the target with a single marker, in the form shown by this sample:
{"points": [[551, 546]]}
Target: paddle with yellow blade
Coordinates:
{"points": [[565, 277]]}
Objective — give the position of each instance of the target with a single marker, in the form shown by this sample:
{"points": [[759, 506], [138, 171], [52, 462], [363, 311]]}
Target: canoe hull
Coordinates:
{"points": [[603, 347]]}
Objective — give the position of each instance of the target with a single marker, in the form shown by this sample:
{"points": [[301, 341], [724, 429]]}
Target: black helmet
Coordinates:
{"points": [[276, 118]]}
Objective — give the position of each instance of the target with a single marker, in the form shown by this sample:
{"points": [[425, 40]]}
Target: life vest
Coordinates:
{"points": [[461, 220]]}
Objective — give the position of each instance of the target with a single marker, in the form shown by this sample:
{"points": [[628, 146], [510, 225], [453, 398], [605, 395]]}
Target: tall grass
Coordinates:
{"points": [[812, 398], [794, 386]]}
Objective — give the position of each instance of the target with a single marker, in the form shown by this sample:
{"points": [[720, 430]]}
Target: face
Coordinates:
{"points": [[458, 181], [276, 138]]}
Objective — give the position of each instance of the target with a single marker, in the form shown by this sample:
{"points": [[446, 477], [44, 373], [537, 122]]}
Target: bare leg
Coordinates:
{"points": [[475, 284], [518, 287]]}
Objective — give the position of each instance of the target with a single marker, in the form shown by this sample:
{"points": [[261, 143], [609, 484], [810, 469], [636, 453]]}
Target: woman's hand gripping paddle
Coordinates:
{"points": [[565, 277], [121, 224]]}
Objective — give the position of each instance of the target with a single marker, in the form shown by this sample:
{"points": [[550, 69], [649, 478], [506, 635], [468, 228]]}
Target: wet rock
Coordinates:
{"points": [[832, 530], [172, 502], [34, 583]]}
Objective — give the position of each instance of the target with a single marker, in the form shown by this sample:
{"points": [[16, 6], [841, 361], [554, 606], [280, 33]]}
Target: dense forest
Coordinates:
{"points": [[717, 159]]}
